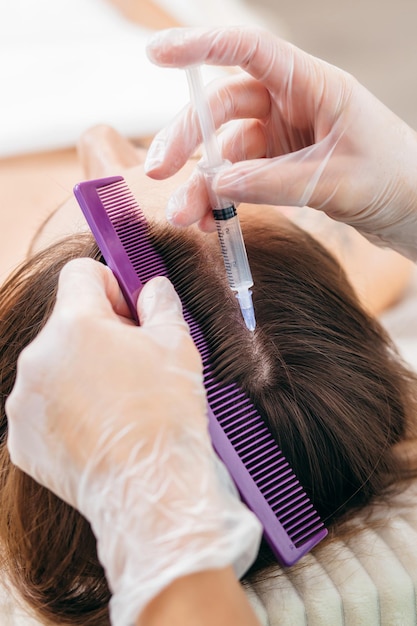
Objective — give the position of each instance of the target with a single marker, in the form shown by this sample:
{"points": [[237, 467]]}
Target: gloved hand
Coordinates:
{"points": [[305, 133], [112, 418]]}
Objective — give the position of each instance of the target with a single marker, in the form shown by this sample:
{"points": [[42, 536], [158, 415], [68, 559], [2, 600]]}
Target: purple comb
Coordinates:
{"points": [[239, 435]]}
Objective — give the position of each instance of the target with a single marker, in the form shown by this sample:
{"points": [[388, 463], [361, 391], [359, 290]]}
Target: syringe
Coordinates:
{"points": [[224, 211]]}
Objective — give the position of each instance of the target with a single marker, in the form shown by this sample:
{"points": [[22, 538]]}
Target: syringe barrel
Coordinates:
{"points": [[233, 248], [229, 232]]}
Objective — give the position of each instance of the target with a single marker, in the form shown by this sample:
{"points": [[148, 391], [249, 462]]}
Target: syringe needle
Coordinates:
{"points": [[246, 306]]}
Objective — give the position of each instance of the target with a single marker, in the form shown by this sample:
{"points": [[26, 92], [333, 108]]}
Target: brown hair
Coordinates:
{"points": [[322, 373]]}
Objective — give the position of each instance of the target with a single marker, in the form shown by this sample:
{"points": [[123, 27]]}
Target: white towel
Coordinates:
{"points": [[368, 580]]}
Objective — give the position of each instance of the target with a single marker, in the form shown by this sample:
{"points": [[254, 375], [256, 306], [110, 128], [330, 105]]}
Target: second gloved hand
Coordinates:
{"points": [[304, 133], [112, 418]]}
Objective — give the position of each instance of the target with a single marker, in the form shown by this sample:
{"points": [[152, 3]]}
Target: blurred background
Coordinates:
{"points": [[69, 64], [375, 40]]}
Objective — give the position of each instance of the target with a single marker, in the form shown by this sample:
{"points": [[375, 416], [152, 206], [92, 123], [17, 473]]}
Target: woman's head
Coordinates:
{"points": [[318, 368]]}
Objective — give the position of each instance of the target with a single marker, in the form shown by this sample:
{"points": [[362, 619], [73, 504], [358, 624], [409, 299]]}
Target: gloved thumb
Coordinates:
{"points": [[159, 304]]}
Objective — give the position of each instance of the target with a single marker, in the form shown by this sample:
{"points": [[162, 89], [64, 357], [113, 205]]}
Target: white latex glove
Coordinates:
{"points": [[112, 418], [307, 134]]}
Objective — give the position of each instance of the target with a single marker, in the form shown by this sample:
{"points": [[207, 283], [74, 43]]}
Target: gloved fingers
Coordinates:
{"points": [[182, 136], [86, 290], [236, 97], [305, 177], [255, 50], [207, 224], [161, 316], [190, 204], [159, 304], [22, 436], [244, 140], [88, 287], [301, 178]]}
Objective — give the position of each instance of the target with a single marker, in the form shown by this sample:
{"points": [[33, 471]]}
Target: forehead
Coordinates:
{"points": [[152, 197]]}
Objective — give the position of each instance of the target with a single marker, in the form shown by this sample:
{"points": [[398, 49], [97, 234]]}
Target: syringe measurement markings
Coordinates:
{"points": [[228, 265]]}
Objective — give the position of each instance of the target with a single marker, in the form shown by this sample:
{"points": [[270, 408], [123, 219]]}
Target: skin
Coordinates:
{"points": [[188, 600], [198, 608], [45, 180], [34, 184], [61, 439], [145, 13], [208, 597], [32, 187], [379, 276]]}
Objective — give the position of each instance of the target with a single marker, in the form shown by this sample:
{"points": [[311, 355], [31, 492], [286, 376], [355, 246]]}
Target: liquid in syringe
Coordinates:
{"points": [[224, 212]]}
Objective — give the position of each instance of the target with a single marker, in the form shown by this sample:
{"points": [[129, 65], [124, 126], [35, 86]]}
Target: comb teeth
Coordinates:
{"points": [[264, 461], [241, 438], [129, 223]]}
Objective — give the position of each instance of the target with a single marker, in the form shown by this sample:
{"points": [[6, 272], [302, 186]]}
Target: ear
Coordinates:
{"points": [[104, 152]]}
